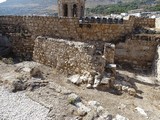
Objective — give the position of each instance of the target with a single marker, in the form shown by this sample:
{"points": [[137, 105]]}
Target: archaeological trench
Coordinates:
{"points": [[87, 50]]}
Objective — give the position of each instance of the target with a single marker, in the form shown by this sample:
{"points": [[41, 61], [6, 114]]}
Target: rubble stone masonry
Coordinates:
{"points": [[136, 52], [69, 56]]}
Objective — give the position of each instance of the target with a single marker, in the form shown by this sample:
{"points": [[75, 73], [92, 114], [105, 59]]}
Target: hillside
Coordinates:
{"points": [[93, 3], [40, 7], [49, 7], [28, 7], [125, 6]]}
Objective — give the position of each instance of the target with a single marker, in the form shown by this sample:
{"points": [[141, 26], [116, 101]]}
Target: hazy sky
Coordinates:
{"points": [[2, 1]]}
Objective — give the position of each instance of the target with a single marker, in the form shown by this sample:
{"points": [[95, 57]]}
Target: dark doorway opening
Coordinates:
{"points": [[74, 10], [65, 10]]}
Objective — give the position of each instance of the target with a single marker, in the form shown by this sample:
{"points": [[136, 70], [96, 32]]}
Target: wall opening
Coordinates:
{"points": [[65, 10], [5, 45], [74, 10]]}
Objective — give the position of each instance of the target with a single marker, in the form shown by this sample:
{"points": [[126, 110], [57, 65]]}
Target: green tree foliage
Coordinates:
{"points": [[121, 7], [155, 8]]}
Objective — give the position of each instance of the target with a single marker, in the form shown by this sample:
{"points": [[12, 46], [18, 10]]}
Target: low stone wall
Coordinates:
{"points": [[68, 56], [136, 52]]}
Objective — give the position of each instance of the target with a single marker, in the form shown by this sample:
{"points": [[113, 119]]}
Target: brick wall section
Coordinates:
{"points": [[68, 56]]}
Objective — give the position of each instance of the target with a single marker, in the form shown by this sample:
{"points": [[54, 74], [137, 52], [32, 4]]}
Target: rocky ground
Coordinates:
{"points": [[29, 90]]}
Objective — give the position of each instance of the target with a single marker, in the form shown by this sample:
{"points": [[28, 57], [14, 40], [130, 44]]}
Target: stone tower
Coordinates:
{"points": [[71, 8]]}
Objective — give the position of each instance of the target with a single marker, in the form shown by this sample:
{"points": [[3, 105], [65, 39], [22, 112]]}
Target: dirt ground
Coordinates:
{"points": [[56, 102]]}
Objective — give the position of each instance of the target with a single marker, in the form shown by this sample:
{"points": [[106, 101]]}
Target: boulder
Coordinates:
{"points": [[36, 72], [119, 117], [17, 85], [141, 111], [94, 104], [82, 107], [91, 115], [73, 98], [75, 79], [105, 116]]}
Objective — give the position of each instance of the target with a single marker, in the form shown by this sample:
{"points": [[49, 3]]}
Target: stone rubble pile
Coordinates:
{"points": [[24, 77]]}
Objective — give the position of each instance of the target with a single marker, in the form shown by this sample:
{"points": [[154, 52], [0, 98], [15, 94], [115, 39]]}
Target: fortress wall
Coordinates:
{"points": [[70, 57], [27, 28], [23, 30], [67, 28], [136, 52]]}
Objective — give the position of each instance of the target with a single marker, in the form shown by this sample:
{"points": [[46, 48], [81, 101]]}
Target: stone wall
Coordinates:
{"points": [[144, 22], [22, 45], [70, 57], [27, 28], [23, 30], [67, 28], [139, 51]]}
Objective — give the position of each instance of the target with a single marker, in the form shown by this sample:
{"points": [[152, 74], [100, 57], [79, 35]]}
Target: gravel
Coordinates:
{"points": [[17, 106]]}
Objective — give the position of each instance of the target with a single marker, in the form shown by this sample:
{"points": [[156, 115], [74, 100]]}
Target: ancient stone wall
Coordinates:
{"points": [[23, 30], [22, 45], [139, 51], [67, 28], [27, 28], [144, 22], [70, 57]]}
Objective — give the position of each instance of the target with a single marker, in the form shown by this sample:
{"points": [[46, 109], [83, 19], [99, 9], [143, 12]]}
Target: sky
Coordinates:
{"points": [[2, 1]]}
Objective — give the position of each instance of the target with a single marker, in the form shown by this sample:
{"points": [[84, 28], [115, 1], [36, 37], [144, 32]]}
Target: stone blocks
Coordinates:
{"points": [[68, 56]]}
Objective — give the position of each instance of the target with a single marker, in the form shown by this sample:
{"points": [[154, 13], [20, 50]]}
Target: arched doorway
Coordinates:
{"points": [[65, 10], [74, 10]]}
